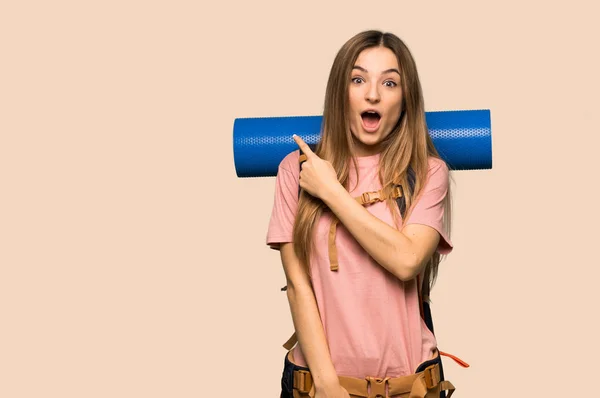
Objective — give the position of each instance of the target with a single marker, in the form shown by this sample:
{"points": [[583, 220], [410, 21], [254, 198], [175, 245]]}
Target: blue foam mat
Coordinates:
{"points": [[463, 139]]}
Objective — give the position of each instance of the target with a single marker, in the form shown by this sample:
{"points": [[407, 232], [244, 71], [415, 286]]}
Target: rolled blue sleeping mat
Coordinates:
{"points": [[463, 138]]}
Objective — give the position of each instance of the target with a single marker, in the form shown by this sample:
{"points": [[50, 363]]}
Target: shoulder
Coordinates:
{"points": [[289, 165], [438, 174], [437, 165], [437, 169]]}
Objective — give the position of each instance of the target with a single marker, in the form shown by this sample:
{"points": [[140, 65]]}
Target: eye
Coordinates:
{"points": [[355, 80], [392, 83]]}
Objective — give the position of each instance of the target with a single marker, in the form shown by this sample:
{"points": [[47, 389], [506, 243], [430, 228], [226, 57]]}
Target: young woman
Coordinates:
{"points": [[354, 263]]}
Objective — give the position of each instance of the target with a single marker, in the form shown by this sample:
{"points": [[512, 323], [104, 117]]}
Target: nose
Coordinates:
{"points": [[372, 94]]}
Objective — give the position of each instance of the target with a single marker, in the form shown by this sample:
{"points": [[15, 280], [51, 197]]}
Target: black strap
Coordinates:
{"points": [[426, 307], [411, 186], [402, 205]]}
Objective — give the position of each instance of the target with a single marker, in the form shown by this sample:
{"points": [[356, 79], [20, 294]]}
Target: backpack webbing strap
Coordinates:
{"points": [[366, 198]]}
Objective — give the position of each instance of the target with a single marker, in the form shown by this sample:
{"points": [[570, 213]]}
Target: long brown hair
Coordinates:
{"points": [[407, 145]]}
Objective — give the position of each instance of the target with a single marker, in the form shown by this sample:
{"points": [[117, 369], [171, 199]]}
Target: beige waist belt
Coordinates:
{"points": [[418, 385]]}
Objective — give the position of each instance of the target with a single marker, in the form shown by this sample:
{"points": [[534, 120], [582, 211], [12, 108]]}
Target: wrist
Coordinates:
{"points": [[327, 382], [332, 192]]}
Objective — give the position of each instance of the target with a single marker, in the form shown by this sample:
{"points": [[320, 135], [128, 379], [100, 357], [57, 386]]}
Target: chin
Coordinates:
{"points": [[368, 141]]}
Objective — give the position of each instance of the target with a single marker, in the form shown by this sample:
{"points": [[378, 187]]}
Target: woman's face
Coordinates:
{"points": [[375, 98]]}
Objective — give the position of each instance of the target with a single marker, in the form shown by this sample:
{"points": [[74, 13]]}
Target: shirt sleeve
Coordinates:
{"points": [[429, 207], [285, 202]]}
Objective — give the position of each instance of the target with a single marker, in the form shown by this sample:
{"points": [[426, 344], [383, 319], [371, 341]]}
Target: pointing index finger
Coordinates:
{"points": [[303, 145]]}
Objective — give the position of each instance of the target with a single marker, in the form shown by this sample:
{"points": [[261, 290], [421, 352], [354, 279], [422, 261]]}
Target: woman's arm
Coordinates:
{"points": [[307, 323], [404, 253]]}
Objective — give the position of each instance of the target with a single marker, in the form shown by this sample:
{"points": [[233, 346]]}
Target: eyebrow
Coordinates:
{"points": [[383, 73]]}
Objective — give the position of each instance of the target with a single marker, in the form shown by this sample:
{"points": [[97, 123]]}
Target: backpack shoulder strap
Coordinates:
{"points": [[424, 307]]}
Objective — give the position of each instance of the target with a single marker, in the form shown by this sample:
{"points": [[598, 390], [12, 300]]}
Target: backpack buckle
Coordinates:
{"points": [[378, 386], [370, 197], [431, 376], [365, 197], [302, 381]]}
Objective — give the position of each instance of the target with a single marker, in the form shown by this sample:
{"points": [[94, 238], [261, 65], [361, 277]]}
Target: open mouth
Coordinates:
{"points": [[370, 119]]}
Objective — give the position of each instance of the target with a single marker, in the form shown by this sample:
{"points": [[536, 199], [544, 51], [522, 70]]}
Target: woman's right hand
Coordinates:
{"points": [[332, 391]]}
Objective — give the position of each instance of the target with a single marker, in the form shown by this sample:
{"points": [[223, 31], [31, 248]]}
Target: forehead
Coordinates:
{"points": [[377, 59]]}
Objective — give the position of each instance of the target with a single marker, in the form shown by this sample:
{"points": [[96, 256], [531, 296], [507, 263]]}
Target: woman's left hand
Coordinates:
{"points": [[317, 176]]}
